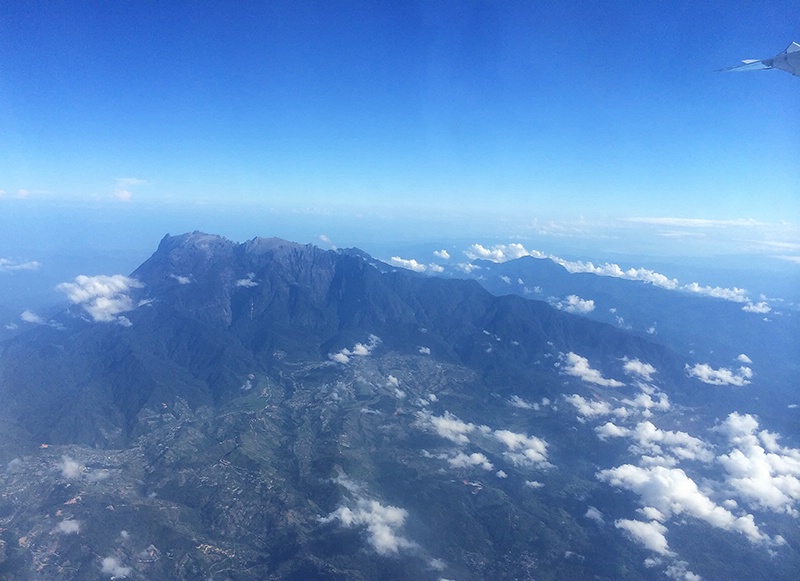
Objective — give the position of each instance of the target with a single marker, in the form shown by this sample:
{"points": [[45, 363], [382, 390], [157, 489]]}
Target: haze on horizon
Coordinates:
{"points": [[601, 127]]}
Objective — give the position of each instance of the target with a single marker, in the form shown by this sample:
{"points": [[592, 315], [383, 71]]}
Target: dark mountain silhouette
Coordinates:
{"points": [[270, 410]]}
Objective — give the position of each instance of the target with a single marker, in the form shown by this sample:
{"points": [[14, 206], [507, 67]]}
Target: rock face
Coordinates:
{"points": [[275, 411]]}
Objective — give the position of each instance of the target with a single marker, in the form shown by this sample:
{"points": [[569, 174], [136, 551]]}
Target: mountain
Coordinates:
{"points": [[270, 410]]}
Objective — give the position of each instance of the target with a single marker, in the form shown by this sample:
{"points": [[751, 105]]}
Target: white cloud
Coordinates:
{"points": [[408, 264], [520, 403], [383, 524], [247, 282], [102, 297], [462, 460], [673, 493], [588, 408], [523, 450], [425, 350], [392, 381], [467, 267], [501, 252], [575, 304], [695, 222], [722, 376], [326, 240], [744, 358], [447, 426], [616, 271], [505, 279], [737, 295], [649, 534], [638, 368], [69, 527], [650, 439], [595, 515], [760, 307], [578, 366], [9, 265], [122, 189], [679, 572], [31, 317], [443, 254], [435, 267], [762, 471], [112, 566], [358, 350], [501, 474], [181, 279], [533, 484], [70, 469]]}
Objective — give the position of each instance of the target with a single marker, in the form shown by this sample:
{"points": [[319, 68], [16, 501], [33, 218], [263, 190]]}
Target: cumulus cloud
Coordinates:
{"points": [[595, 515], [11, 265], [533, 484], [69, 527], [70, 469], [31, 317], [248, 281], [579, 367], [425, 350], [588, 408], [523, 450], [760, 307], [501, 252], [648, 534], [744, 358], [102, 297], [435, 267], [638, 368], [358, 350], [382, 522], [476, 459], [737, 295], [764, 473], [679, 571], [181, 279], [575, 304], [649, 439], [673, 493], [112, 566], [722, 376], [467, 267], [443, 254], [616, 271], [447, 426], [408, 264]]}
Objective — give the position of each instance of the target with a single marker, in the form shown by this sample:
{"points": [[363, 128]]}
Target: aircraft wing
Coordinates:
{"points": [[788, 60]]}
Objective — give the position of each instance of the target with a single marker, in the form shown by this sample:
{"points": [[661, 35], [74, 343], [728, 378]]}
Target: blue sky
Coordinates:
{"points": [[400, 119]]}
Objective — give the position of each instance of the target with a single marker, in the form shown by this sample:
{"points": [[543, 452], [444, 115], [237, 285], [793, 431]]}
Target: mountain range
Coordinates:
{"points": [[271, 410]]}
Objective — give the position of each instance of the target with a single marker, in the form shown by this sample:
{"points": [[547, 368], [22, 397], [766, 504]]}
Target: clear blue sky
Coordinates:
{"points": [[441, 117]]}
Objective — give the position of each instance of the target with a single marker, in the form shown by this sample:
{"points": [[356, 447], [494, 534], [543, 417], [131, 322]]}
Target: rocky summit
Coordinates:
{"points": [[270, 410]]}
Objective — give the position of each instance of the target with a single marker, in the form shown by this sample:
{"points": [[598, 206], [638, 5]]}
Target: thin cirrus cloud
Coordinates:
{"points": [[11, 265], [123, 188]]}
